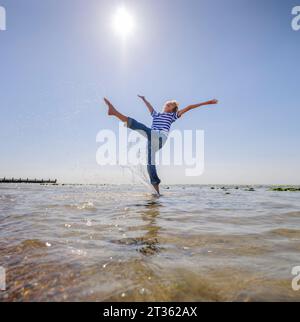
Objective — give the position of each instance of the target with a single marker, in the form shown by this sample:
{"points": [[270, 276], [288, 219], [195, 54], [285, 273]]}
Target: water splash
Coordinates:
{"points": [[139, 174]]}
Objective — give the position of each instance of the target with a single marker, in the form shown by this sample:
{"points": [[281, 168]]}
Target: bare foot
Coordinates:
{"points": [[111, 109], [156, 187]]}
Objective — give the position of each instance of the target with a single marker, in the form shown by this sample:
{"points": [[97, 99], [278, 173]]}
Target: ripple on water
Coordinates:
{"points": [[285, 232], [119, 243]]}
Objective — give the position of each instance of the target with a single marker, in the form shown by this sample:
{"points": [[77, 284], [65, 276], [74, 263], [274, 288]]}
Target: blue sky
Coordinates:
{"points": [[59, 58]]}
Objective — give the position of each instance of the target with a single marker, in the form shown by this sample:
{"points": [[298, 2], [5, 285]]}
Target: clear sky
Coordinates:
{"points": [[58, 58]]}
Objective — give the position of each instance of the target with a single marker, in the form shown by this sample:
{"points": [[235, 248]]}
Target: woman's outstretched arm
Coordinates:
{"points": [[150, 107], [191, 107]]}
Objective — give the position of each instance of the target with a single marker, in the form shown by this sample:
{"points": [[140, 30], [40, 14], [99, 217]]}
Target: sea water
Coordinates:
{"points": [[120, 243]]}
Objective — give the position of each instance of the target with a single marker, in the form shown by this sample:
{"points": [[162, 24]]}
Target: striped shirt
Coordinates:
{"points": [[163, 121]]}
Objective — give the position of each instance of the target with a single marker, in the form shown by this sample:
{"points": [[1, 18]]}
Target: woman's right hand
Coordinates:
{"points": [[142, 97]]}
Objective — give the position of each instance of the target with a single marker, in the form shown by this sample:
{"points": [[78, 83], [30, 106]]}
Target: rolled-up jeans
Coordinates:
{"points": [[155, 141]]}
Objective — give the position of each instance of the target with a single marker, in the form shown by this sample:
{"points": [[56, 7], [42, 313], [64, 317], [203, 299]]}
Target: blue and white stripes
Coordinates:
{"points": [[163, 121]]}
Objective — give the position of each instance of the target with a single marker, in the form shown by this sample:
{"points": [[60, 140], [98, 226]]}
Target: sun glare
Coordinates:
{"points": [[123, 22]]}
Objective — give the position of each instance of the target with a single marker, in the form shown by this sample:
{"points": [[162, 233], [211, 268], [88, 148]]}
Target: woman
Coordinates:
{"points": [[158, 134]]}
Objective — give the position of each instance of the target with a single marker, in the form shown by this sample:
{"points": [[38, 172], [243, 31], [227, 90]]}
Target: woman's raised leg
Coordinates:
{"points": [[145, 131]]}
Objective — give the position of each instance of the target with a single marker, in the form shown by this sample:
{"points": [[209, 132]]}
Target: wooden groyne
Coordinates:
{"points": [[13, 180]]}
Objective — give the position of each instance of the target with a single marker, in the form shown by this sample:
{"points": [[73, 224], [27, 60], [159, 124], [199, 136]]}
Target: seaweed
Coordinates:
{"points": [[293, 189]]}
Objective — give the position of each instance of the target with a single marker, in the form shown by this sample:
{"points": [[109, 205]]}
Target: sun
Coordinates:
{"points": [[123, 22]]}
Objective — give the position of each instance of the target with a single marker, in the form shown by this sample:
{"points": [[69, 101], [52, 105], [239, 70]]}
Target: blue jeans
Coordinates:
{"points": [[155, 141]]}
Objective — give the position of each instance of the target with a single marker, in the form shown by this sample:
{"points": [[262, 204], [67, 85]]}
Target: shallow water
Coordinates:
{"points": [[120, 243]]}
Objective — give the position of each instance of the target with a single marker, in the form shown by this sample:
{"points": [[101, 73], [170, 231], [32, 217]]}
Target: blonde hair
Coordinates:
{"points": [[173, 102]]}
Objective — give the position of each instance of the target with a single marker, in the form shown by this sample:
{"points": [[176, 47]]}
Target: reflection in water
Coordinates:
{"points": [[151, 238], [148, 244]]}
